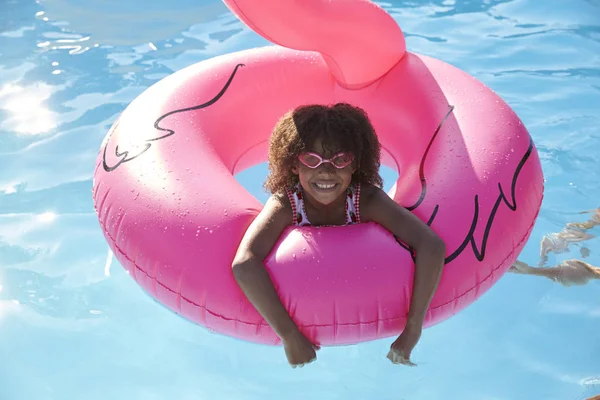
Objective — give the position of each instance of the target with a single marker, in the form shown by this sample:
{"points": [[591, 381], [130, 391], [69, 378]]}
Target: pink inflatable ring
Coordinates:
{"points": [[173, 213]]}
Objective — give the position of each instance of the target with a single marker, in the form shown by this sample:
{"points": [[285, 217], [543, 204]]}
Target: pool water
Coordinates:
{"points": [[73, 325]]}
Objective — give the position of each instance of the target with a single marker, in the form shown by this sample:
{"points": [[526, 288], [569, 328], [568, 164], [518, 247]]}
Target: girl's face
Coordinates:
{"points": [[329, 180]]}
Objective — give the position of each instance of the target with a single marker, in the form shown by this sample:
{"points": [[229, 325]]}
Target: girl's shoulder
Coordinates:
{"points": [[372, 200], [280, 207], [369, 194], [282, 199], [266, 228]]}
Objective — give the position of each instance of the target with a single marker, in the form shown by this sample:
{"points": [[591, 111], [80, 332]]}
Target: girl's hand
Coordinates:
{"points": [[299, 350], [403, 346]]}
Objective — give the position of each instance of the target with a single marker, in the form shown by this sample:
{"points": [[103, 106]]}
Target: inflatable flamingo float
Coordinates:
{"points": [[173, 213]]}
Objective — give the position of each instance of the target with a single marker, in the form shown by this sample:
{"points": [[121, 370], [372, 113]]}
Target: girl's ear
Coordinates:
{"points": [[295, 168]]}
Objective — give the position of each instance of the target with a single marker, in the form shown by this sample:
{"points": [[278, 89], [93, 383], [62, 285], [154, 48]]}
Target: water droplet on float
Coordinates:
{"points": [[210, 231], [294, 255]]}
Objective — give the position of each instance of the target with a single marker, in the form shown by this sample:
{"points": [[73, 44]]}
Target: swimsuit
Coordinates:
{"points": [[296, 196]]}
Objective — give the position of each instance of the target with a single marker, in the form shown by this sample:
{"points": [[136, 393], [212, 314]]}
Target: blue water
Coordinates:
{"points": [[73, 325]]}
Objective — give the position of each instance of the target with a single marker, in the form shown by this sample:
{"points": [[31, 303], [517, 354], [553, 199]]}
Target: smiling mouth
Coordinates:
{"points": [[325, 187]]}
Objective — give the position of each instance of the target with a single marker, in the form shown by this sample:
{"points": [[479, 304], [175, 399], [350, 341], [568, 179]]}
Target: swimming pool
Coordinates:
{"points": [[74, 325]]}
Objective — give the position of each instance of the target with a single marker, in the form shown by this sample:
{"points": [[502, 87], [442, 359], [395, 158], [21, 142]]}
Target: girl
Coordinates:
{"points": [[324, 170]]}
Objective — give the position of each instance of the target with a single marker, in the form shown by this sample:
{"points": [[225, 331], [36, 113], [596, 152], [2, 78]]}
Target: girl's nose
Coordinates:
{"points": [[327, 168]]}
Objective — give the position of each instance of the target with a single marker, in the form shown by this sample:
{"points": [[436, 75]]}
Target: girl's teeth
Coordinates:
{"points": [[325, 186]]}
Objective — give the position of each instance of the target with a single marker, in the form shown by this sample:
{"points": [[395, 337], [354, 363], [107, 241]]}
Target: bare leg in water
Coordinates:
{"points": [[569, 272], [574, 232]]}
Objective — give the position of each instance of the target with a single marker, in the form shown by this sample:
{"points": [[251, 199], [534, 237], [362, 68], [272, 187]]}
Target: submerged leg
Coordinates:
{"points": [[567, 273], [574, 232]]}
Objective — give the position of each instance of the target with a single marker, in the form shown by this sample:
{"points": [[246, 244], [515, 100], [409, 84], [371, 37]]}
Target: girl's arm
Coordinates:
{"points": [[377, 206], [249, 269]]}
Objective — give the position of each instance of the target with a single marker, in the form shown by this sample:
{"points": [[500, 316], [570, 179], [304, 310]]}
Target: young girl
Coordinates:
{"points": [[324, 170]]}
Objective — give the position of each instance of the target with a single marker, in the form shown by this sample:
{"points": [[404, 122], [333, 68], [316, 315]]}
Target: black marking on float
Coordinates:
{"points": [[480, 254], [422, 165], [469, 238], [126, 156]]}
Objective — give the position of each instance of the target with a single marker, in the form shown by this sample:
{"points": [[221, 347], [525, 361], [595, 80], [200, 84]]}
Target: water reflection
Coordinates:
{"points": [[441, 8], [127, 23], [48, 297], [26, 108]]}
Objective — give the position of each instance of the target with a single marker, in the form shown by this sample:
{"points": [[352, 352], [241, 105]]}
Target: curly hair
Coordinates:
{"points": [[340, 127]]}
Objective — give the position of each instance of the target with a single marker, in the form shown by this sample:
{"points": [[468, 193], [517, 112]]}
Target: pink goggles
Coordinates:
{"points": [[313, 160]]}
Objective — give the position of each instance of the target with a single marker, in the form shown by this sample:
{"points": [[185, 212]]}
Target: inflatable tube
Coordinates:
{"points": [[173, 213]]}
